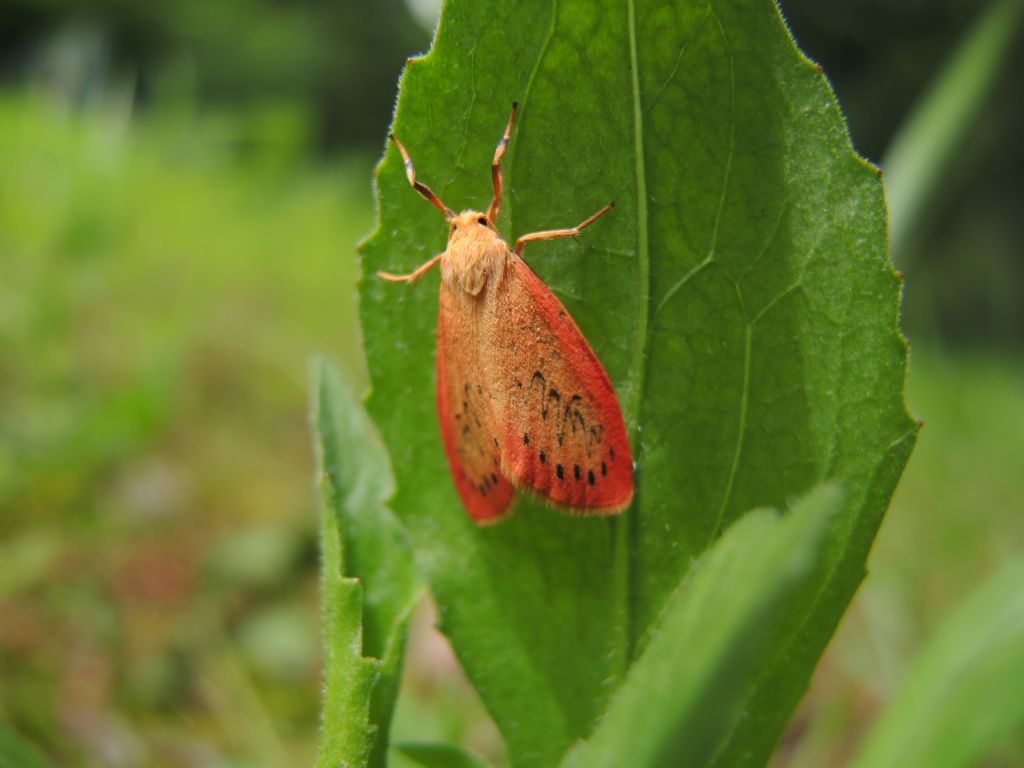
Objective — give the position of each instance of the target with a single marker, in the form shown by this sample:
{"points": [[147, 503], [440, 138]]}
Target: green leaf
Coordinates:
{"points": [[739, 296], [368, 581], [964, 690], [441, 756], [17, 752], [692, 681]]}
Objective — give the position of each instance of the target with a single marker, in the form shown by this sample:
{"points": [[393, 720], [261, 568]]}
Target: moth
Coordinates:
{"points": [[523, 402]]}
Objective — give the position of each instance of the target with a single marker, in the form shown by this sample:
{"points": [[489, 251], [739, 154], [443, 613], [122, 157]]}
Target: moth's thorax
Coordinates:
{"points": [[476, 254]]}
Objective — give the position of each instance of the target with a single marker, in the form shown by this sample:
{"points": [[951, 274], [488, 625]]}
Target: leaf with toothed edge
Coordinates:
{"points": [[739, 296]]}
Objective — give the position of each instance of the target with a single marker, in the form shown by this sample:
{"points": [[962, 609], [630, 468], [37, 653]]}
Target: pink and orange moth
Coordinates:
{"points": [[524, 403]]}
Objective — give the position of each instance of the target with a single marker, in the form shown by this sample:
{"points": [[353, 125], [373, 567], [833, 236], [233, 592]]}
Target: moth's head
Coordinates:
{"points": [[470, 226]]}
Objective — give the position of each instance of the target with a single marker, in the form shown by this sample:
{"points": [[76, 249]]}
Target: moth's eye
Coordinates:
{"points": [[454, 227], [482, 220]]}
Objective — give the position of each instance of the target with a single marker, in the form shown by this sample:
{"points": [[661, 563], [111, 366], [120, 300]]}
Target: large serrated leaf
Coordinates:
{"points": [[739, 295], [368, 582]]}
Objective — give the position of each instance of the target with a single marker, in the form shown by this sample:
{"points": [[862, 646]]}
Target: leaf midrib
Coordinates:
{"points": [[626, 530]]}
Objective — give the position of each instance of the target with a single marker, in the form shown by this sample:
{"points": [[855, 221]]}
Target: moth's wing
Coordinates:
{"points": [[562, 436], [464, 406]]}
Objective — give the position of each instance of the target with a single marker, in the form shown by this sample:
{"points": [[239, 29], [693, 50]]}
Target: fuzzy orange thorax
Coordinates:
{"points": [[475, 253]]}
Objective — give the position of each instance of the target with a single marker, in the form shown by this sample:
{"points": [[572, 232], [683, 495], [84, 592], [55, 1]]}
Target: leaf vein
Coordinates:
{"points": [[626, 533], [732, 135], [776, 231], [466, 118], [740, 429], [798, 285], [680, 283], [748, 331], [507, 203], [679, 60]]}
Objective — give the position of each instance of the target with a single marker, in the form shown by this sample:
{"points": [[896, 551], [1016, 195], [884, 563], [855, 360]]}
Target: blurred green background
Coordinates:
{"points": [[181, 189]]}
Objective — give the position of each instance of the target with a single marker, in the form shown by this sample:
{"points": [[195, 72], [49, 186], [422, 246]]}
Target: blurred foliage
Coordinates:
{"points": [[159, 300], [961, 693], [338, 59]]}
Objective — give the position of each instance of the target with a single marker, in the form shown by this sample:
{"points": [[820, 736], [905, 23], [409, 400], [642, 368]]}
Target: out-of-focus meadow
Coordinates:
{"points": [[181, 191]]}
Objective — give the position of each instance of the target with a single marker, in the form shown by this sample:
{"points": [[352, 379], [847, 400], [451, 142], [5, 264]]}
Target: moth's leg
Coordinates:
{"points": [[419, 186], [492, 210], [551, 234], [412, 276]]}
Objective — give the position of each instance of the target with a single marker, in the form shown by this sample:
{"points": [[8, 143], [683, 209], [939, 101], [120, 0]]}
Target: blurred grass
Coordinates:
{"points": [[163, 282], [956, 518]]}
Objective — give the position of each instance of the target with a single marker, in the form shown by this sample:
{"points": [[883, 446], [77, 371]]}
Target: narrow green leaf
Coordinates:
{"points": [[739, 295], [441, 756], [964, 691], [18, 752], [919, 158], [368, 582], [680, 699]]}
